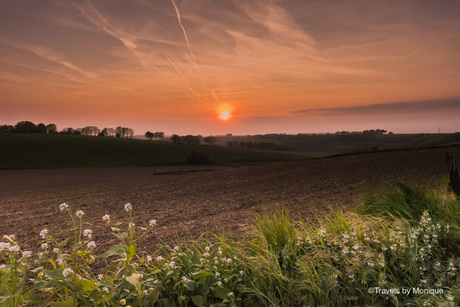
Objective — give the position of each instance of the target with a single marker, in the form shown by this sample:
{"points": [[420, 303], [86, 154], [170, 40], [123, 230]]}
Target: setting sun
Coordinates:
{"points": [[224, 115]]}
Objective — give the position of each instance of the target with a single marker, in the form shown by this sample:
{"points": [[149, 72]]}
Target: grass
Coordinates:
{"points": [[64, 151], [400, 248]]}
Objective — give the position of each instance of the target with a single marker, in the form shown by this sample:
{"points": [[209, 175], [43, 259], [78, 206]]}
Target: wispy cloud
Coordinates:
{"points": [[48, 54], [188, 43], [392, 108]]}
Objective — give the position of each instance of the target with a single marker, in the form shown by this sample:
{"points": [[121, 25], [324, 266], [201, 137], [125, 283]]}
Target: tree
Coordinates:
{"points": [[25, 127], [68, 131], [149, 135], [6, 129], [41, 128], [176, 139], [51, 129], [190, 140], [210, 140], [130, 132]]}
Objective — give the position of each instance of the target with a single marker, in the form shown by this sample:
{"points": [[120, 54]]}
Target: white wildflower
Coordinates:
{"points": [[123, 302], [217, 274], [152, 223], [207, 248], [206, 254], [176, 248], [67, 272], [43, 233], [145, 292], [148, 258], [26, 254], [160, 258], [4, 245], [64, 206], [88, 233], [44, 245], [131, 225], [241, 273], [56, 250], [100, 276], [128, 207], [106, 218], [172, 264], [91, 244], [105, 289], [219, 283], [79, 213], [14, 248], [231, 294]]}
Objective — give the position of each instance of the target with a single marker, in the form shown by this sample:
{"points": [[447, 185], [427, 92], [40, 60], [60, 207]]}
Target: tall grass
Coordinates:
{"points": [[400, 248]]}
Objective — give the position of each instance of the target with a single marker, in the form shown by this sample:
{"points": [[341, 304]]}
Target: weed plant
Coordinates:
{"points": [[400, 248]]}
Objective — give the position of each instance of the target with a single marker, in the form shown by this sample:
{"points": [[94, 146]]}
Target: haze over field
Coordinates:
{"points": [[272, 66]]}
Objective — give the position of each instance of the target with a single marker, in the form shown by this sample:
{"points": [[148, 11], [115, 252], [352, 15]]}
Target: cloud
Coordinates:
{"points": [[48, 54], [392, 108]]}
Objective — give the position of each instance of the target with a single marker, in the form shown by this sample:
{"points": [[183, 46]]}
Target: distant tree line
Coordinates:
{"points": [[159, 136], [30, 127]]}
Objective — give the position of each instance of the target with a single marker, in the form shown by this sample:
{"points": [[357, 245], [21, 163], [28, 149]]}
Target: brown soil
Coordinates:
{"points": [[194, 200]]}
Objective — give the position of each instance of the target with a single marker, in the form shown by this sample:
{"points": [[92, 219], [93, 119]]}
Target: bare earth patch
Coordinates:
{"points": [[194, 199]]}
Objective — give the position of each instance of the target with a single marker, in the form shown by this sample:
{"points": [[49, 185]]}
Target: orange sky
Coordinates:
{"points": [[275, 66]]}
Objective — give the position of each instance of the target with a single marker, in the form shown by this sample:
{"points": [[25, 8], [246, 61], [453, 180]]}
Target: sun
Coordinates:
{"points": [[224, 115]]}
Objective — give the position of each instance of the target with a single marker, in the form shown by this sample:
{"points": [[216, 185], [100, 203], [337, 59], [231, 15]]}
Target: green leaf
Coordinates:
{"points": [[198, 300], [114, 250], [134, 280], [121, 236], [82, 254], [63, 243], [39, 284], [131, 252], [88, 285], [76, 246], [52, 263], [240, 288], [190, 285], [32, 300], [53, 273], [220, 293]]}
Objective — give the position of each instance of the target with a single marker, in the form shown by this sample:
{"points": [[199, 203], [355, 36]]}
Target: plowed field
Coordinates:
{"points": [[197, 199]]}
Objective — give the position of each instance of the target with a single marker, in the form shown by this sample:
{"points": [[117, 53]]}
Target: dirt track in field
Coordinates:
{"points": [[195, 199]]}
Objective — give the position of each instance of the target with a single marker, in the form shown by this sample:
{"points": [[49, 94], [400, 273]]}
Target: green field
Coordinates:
{"points": [[62, 151]]}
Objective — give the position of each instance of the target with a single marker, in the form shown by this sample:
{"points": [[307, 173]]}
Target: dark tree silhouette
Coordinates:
{"points": [[149, 135]]}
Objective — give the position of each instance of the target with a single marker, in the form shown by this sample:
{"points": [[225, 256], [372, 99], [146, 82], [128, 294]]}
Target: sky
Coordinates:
{"points": [[273, 66]]}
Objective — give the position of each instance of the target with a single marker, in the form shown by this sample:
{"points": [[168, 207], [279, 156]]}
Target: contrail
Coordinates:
{"points": [[188, 44], [182, 77]]}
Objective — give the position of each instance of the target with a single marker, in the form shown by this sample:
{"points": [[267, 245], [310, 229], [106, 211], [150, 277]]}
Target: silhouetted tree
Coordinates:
{"points": [[41, 128], [25, 127], [6, 128], [176, 139], [210, 140], [149, 135], [51, 129], [190, 140]]}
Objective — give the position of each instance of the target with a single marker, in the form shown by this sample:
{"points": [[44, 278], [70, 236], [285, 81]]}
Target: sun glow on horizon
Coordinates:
{"points": [[224, 115]]}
